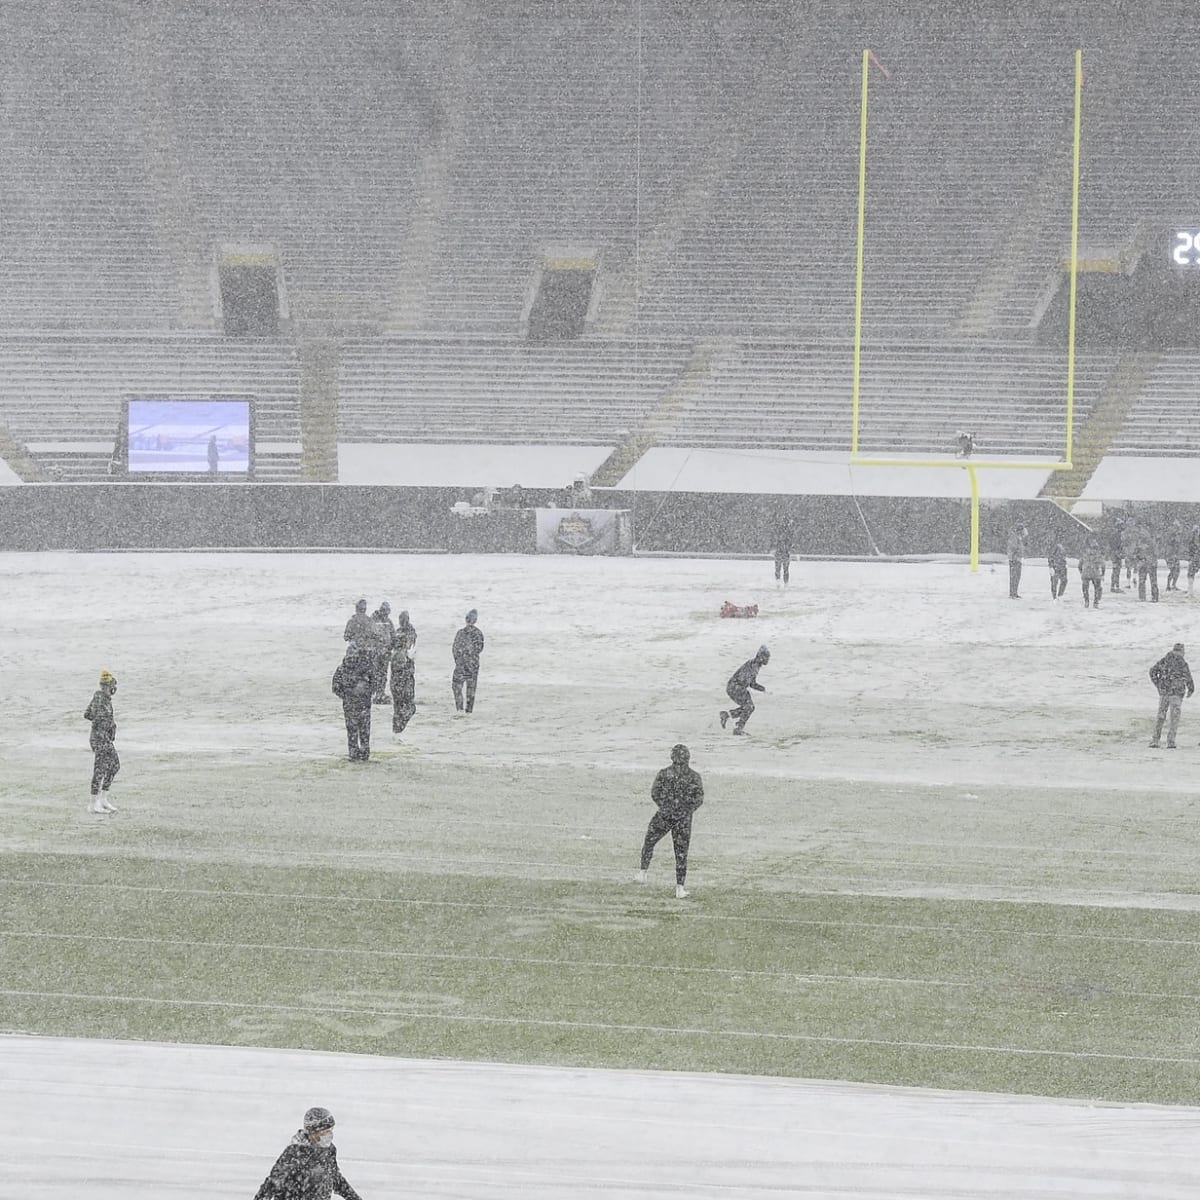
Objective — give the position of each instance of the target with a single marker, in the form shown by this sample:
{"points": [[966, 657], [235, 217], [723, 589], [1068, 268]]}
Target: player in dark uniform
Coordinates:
{"points": [[404, 674], [1016, 553], [677, 792], [352, 684], [1174, 549], [738, 689], [358, 628], [1193, 556], [1057, 558], [380, 636], [1145, 558], [468, 646], [1091, 571], [782, 537], [102, 740], [308, 1167]]}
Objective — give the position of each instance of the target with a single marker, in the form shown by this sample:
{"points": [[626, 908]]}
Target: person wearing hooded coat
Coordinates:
{"points": [[380, 636], [1091, 571], [467, 647], [308, 1167], [352, 684], [738, 689], [677, 792], [1173, 678], [404, 674]]}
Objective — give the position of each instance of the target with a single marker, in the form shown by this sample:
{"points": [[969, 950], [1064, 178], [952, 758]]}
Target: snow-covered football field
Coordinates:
{"points": [[945, 857]]}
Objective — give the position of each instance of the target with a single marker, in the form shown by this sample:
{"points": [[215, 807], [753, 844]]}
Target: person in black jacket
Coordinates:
{"points": [[1057, 558], [468, 646], [353, 684], [782, 537], [1193, 556], [102, 740], [1173, 678], [404, 674], [1016, 553], [1145, 558], [677, 792], [738, 689], [308, 1167], [1174, 547]]}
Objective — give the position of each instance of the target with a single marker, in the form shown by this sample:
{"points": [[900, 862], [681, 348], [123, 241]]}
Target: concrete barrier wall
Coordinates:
{"points": [[145, 516]]}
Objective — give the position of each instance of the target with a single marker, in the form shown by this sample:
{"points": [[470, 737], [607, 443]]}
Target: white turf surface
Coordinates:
{"points": [[883, 676], [118, 1121]]}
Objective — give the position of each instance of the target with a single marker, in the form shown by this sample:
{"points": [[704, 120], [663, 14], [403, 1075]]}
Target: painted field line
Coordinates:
{"points": [[606, 910], [587, 964], [602, 1026]]}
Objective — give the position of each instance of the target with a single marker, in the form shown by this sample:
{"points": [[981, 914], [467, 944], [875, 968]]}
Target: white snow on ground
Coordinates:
{"points": [[821, 473], [885, 678], [465, 465], [124, 1120]]}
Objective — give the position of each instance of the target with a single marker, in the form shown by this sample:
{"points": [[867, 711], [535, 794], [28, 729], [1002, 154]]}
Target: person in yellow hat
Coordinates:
{"points": [[102, 740]]}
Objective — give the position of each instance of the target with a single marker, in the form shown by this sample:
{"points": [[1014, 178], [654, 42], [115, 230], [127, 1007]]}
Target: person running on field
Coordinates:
{"points": [[102, 740], [404, 674], [1193, 556], [467, 647], [677, 792], [308, 1167], [738, 689], [1173, 678]]}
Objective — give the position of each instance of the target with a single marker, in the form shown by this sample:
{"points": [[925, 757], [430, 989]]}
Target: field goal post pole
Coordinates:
{"points": [[971, 468]]}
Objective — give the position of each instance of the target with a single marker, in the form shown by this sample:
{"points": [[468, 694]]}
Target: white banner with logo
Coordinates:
{"points": [[584, 531]]}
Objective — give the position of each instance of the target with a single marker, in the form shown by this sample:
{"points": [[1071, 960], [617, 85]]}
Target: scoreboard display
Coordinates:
{"points": [[1185, 248], [177, 437]]}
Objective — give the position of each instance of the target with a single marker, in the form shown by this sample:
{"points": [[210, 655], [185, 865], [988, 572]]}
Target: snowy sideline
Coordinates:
{"points": [[127, 1120]]}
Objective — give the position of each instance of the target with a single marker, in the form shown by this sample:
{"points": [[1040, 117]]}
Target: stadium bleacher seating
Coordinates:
{"points": [[707, 155]]}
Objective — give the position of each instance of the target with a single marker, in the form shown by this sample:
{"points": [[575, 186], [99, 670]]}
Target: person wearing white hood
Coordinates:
{"points": [[308, 1167]]}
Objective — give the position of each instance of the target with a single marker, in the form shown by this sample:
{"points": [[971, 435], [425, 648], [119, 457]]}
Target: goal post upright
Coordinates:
{"points": [[971, 467]]}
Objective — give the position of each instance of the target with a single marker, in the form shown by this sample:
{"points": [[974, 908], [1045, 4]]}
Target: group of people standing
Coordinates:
{"points": [[379, 653], [1132, 546]]}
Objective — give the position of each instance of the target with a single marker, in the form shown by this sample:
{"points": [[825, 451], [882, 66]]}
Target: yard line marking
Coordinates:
{"points": [[602, 910], [513, 960], [605, 1026]]}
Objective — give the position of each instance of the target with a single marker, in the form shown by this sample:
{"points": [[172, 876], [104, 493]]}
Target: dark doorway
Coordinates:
{"points": [[560, 308], [250, 300]]}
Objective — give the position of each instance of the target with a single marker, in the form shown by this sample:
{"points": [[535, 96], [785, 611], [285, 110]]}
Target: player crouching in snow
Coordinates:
{"points": [[308, 1167], [102, 739], [677, 793], [738, 690]]}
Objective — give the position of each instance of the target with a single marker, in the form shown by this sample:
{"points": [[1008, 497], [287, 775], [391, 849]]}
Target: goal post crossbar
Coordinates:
{"points": [[972, 466]]}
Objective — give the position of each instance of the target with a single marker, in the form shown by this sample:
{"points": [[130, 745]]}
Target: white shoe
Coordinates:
{"points": [[641, 877], [105, 805], [681, 893], [96, 806]]}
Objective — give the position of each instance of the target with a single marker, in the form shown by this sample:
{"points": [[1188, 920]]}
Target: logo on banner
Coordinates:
{"points": [[575, 533]]}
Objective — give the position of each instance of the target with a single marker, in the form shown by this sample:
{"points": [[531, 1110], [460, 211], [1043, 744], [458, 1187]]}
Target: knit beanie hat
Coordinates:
{"points": [[107, 677], [317, 1119]]}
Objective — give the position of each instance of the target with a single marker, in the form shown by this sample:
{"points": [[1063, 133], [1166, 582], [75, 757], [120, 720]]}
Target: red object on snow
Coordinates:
{"points": [[739, 610]]}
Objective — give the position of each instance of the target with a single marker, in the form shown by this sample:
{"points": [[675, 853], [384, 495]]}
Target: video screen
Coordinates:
{"points": [[189, 437]]}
